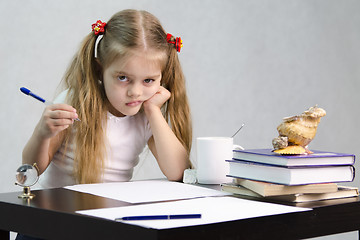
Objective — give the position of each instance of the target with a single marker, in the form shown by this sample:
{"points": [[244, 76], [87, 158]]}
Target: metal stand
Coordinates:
{"points": [[26, 194]]}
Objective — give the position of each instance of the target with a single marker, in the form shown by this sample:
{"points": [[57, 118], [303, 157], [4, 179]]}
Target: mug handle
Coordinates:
{"points": [[238, 147]]}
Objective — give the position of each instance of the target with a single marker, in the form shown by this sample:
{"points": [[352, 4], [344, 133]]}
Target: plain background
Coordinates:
{"points": [[251, 62]]}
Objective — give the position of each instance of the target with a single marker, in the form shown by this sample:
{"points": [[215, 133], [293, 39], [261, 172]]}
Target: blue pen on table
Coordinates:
{"points": [[158, 217], [28, 92]]}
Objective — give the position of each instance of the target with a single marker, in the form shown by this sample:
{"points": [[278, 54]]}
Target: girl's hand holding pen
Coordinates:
{"points": [[56, 118]]}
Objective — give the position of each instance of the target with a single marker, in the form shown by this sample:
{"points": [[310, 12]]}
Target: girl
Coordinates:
{"points": [[125, 85]]}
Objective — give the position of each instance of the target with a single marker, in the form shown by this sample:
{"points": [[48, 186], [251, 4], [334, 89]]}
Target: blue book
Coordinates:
{"points": [[290, 175], [318, 158]]}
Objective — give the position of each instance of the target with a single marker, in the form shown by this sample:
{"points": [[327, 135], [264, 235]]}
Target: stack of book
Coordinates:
{"points": [[295, 178]]}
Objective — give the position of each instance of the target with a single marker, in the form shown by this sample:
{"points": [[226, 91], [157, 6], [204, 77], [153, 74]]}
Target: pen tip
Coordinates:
{"points": [[25, 90]]}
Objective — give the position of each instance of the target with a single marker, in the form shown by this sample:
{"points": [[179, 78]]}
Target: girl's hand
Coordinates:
{"points": [[55, 119], [159, 98]]}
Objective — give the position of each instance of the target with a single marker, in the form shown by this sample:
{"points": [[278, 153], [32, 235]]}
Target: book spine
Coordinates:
{"points": [[267, 156], [241, 161]]}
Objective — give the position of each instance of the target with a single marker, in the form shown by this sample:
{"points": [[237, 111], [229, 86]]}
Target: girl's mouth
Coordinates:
{"points": [[134, 103]]}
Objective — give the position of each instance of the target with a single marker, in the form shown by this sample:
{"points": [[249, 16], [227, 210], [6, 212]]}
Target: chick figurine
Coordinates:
{"points": [[296, 132]]}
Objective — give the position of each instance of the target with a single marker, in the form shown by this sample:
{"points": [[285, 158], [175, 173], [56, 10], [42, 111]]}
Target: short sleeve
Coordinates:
{"points": [[61, 97]]}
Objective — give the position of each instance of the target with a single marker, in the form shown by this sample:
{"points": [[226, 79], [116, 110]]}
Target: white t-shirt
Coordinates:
{"points": [[126, 138]]}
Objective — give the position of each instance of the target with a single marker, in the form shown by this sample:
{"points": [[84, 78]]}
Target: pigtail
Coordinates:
{"points": [[177, 109], [87, 96]]}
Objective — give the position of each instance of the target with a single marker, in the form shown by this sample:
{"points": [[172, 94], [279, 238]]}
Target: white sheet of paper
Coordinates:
{"points": [[213, 210], [146, 191]]}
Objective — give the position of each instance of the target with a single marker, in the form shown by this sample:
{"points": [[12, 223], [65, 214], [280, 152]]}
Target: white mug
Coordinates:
{"points": [[211, 154]]}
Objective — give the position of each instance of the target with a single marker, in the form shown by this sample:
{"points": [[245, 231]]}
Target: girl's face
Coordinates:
{"points": [[128, 86]]}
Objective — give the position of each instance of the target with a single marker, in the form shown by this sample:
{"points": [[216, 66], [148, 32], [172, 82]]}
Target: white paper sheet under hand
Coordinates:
{"points": [[146, 191], [213, 210]]}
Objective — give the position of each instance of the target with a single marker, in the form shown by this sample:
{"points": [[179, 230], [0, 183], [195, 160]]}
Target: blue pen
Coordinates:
{"points": [[28, 92], [158, 217]]}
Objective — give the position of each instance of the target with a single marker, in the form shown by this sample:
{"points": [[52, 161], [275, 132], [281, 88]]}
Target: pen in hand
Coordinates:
{"points": [[28, 92], [159, 217]]}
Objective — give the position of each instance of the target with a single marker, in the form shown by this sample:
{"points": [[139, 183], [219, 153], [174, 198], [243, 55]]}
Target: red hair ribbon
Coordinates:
{"points": [[178, 42], [98, 27]]}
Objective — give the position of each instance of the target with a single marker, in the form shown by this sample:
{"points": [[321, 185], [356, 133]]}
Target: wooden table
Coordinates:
{"points": [[51, 215]]}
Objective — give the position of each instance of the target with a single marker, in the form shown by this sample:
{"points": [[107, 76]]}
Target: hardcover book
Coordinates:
{"points": [[342, 192], [318, 158], [271, 189], [237, 189], [290, 175]]}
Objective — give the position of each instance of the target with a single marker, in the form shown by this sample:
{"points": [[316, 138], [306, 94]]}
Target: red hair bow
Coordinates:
{"points": [[98, 27], [177, 42]]}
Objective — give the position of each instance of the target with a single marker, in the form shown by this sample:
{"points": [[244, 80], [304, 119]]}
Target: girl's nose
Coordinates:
{"points": [[135, 90]]}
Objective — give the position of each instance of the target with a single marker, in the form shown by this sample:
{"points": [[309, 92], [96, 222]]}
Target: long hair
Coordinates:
{"points": [[126, 32]]}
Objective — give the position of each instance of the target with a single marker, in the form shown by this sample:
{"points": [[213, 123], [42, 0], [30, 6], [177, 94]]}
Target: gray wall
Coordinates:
{"points": [[251, 62]]}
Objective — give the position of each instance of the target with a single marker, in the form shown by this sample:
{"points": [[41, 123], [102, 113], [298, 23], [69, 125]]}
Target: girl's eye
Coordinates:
{"points": [[148, 80], [122, 78]]}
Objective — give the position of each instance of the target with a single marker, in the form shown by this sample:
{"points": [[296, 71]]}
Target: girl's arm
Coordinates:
{"points": [[46, 139], [171, 155]]}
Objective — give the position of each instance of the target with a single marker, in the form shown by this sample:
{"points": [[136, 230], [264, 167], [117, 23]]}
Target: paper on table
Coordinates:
{"points": [[146, 191], [213, 210]]}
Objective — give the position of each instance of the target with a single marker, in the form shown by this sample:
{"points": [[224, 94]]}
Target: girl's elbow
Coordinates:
{"points": [[175, 177]]}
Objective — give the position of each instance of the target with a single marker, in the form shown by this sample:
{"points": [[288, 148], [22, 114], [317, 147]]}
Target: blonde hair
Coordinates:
{"points": [[126, 32]]}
